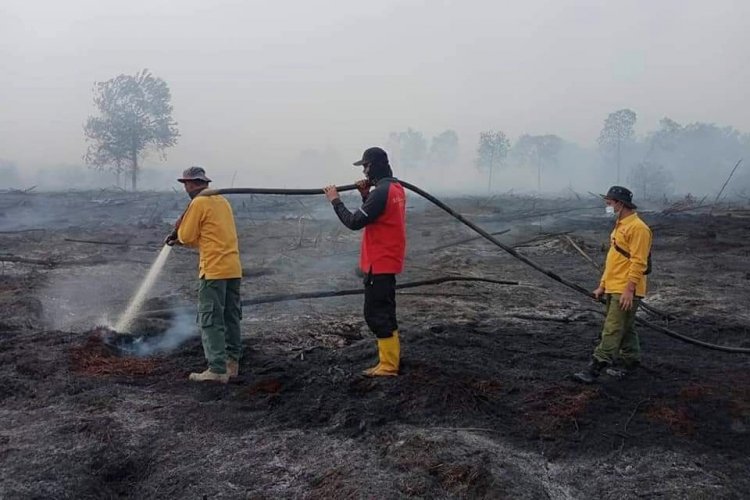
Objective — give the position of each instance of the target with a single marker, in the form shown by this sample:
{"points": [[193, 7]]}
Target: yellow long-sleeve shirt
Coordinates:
{"points": [[208, 224], [634, 236]]}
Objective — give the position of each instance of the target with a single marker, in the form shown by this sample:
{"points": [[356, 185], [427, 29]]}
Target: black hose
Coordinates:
{"points": [[489, 237], [338, 293], [211, 192], [691, 340], [494, 240], [359, 291]]}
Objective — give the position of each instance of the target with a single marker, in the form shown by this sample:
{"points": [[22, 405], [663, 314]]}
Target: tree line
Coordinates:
{"points": [[653, 163], [134, 119]]}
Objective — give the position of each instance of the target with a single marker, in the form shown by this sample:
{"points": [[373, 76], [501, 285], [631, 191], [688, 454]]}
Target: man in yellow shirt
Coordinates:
{"points": [[208, 224], [623, 283]]}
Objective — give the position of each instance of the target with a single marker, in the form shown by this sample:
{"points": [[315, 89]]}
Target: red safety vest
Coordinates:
{"points": [[384, 241]]}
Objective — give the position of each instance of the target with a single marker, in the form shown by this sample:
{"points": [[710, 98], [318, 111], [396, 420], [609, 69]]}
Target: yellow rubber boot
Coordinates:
{"points": [[389, 351], [371, 370]]}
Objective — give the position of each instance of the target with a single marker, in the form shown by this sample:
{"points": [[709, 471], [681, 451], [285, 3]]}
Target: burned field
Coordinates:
{"points": [[484, 407]]}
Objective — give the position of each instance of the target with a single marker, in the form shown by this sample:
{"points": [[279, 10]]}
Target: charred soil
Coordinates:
{"points": [[484, 407]]}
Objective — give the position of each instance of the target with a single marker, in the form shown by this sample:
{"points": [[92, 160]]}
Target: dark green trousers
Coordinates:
{"points": [[219, 315], [619, 338]]}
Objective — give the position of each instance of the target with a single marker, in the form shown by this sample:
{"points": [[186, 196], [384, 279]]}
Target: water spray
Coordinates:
{"points": [[126, 320]]}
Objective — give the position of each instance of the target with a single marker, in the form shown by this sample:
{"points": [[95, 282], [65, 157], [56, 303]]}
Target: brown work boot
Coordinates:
{"points": [[233, 368], [209, 376]]}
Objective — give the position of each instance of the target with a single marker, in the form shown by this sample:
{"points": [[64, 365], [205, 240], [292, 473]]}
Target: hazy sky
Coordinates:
{"points": [[254, 82]]}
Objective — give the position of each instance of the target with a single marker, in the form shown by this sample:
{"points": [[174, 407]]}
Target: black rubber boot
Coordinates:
{"points": [[591, 373], [621, 372]]}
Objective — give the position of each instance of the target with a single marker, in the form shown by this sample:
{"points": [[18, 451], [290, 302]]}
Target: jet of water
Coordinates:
{"points": [[126, 320]]}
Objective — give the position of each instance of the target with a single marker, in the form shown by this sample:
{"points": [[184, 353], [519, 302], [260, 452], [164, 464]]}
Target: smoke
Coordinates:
{"points": [[182, 329], [76, 298], [698, 151]]}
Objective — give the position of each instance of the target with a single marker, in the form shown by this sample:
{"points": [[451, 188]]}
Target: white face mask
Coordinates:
{"points": [[609, 210]]}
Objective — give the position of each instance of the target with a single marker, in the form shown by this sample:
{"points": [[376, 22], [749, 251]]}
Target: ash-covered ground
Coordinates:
{"points": [[484, 407]]}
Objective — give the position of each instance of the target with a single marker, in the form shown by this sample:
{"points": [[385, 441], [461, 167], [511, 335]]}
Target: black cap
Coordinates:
{"points": [[373, 155], [619, 193]]}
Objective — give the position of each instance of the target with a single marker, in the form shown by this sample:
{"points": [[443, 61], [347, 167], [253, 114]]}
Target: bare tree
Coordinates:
{"points": [[135, 117], [492, 150], [537, 151], [618, 128]]}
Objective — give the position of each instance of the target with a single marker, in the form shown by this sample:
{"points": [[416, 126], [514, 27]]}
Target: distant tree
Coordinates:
{"points": [[135, 117], [706, 150], [537, 151], [619, 128], [664, 140], [491, 152], [444, 148], [651, 181], [410, 147], [696, 153]]}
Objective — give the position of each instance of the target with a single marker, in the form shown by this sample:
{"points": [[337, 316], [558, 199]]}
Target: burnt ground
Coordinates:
{"points": [[484, 407]]}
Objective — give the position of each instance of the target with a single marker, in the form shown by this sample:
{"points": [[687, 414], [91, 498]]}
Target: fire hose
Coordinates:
{"points": [[574, 286], [321, 294]]}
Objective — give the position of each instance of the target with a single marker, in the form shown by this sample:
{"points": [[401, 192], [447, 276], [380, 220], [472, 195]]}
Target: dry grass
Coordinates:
{"points": [[572, 405], [333, 483], [267, 386], [457, 476], [550, 408], [95, 358], [678, 419]]}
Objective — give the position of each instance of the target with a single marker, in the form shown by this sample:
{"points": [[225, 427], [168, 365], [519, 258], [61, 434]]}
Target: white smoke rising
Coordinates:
{"points": [[183, 328]]}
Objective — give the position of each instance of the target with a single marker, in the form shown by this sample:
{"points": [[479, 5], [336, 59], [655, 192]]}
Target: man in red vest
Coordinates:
{"points": [[383, 215]]}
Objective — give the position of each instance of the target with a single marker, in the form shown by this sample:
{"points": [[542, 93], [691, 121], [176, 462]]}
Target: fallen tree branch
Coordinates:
{"points": [[115, 243], [21, 191], [677, 208], [727, 181], [52, 262], [460, 242], [536, 317], [583, 254], [18, 231], [624, 434], [632, 413], [539, 238]]}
